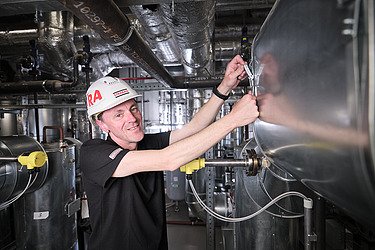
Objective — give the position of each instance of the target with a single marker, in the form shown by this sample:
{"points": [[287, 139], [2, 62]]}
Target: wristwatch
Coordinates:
{"points": [[220, 95]]}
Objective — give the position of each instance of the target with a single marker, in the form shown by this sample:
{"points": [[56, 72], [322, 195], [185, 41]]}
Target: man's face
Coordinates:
{"points": [[124, 124]]}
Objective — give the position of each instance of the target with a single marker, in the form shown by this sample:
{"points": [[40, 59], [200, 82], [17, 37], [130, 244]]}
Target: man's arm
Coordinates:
{"points": [[206, 115], [181, 152]]}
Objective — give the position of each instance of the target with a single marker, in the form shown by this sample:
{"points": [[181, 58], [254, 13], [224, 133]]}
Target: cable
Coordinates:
{"points": [[271, 213], [223, 218], [7, 203], [263, 188], [35, 177]]}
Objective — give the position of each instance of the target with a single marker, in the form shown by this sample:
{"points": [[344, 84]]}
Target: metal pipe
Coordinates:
{"points": [[4, 158], [136, 78], [17, 37], [5, 108], [308, 233], [48, 86], [113, 26], [228, 162], [320, 227], [61, 133], [36, 110]]}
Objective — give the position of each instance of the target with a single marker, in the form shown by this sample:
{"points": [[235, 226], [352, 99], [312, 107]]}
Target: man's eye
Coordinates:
{"points": [[134, 109], [118, 115]]}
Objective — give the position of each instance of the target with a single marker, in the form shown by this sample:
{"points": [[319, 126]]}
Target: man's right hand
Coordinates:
{"points": [[245, 111]]}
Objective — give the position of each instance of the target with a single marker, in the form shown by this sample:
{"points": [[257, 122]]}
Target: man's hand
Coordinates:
{"points": [[245, 111], [234, 73]]}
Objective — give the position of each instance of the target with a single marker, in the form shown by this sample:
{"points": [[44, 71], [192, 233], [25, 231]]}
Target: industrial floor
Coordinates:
{"points": [[182, 233]]}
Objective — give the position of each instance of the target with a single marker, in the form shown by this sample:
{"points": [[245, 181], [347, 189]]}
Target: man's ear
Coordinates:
{"points": [[102, 125]]}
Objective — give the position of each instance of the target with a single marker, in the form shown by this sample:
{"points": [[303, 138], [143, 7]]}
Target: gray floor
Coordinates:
{"points": [[182, 235], [185, 235]]}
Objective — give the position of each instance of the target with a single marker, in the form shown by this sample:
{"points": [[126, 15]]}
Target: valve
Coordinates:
{"points": [[192, 166], [252, 163], [35, 160]]}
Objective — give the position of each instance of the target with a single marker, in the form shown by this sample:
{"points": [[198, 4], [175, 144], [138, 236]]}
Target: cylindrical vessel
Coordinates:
{"points": [[46, 219], [266, 230], [54, 117], [14, 180], [8, 120], [315, 81], [6, 233], [14, 177]]}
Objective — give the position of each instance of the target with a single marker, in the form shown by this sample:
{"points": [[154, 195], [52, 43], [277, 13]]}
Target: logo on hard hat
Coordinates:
{"points": [[92, 98], [121, 92], [111, 82]]}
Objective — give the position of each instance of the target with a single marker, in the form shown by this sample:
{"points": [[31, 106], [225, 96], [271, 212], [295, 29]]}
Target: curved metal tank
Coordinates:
{"points": [[6, 238], [314, 67], [14, 177], [46, 218], [276, 228]]}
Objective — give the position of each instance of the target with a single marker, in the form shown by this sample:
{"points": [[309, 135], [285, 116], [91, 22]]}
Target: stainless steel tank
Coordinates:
{"points": [[8, 120], [48, 116], [46, 218], [276, 228], [314, 67]]}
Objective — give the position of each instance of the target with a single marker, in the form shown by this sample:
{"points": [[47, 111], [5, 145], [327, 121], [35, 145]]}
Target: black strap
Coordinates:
{"points": [[220, 95]]}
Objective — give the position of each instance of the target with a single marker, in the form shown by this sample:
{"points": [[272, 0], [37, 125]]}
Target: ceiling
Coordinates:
{"points": [[161, 44]]}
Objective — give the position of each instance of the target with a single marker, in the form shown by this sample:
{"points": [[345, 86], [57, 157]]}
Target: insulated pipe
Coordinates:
{"points": [[7, 108], [49, 86], [18, 37], [192, 24], [157, 32], [55, 42], [113, 26]]}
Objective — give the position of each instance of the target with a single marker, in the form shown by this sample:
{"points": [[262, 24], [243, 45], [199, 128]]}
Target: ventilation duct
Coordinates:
{"points": [[192, 25], [56, 43], [113, 26], [157, 32]]}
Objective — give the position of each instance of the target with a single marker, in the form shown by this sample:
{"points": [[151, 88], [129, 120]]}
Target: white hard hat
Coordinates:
{"points": [[106, 93]]}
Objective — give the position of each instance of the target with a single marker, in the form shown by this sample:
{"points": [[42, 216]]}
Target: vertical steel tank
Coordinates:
{"points": [[14, 180], [46, 218], [276, 228], [314, 67]]}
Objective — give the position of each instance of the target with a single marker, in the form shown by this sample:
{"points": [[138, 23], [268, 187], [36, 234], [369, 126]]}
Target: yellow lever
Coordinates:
{"points": [[34, 160], [190, 167]]}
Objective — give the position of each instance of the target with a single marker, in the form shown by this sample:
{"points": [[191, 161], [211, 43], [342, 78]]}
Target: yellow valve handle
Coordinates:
{"points": [[193, 165], [34, 160]]}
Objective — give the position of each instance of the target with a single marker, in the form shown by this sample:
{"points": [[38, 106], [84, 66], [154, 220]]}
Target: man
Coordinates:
{"points": [[123, 175]]}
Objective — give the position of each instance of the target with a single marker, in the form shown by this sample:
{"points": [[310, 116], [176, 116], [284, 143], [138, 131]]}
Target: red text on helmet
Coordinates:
{"points": [[92, 98]]}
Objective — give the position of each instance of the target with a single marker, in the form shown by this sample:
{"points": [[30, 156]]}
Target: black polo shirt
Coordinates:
{"points": [[126, 212]]}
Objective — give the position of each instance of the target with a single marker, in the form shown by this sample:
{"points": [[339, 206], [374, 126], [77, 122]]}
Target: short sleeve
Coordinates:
{"points": [[99, 160]]}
